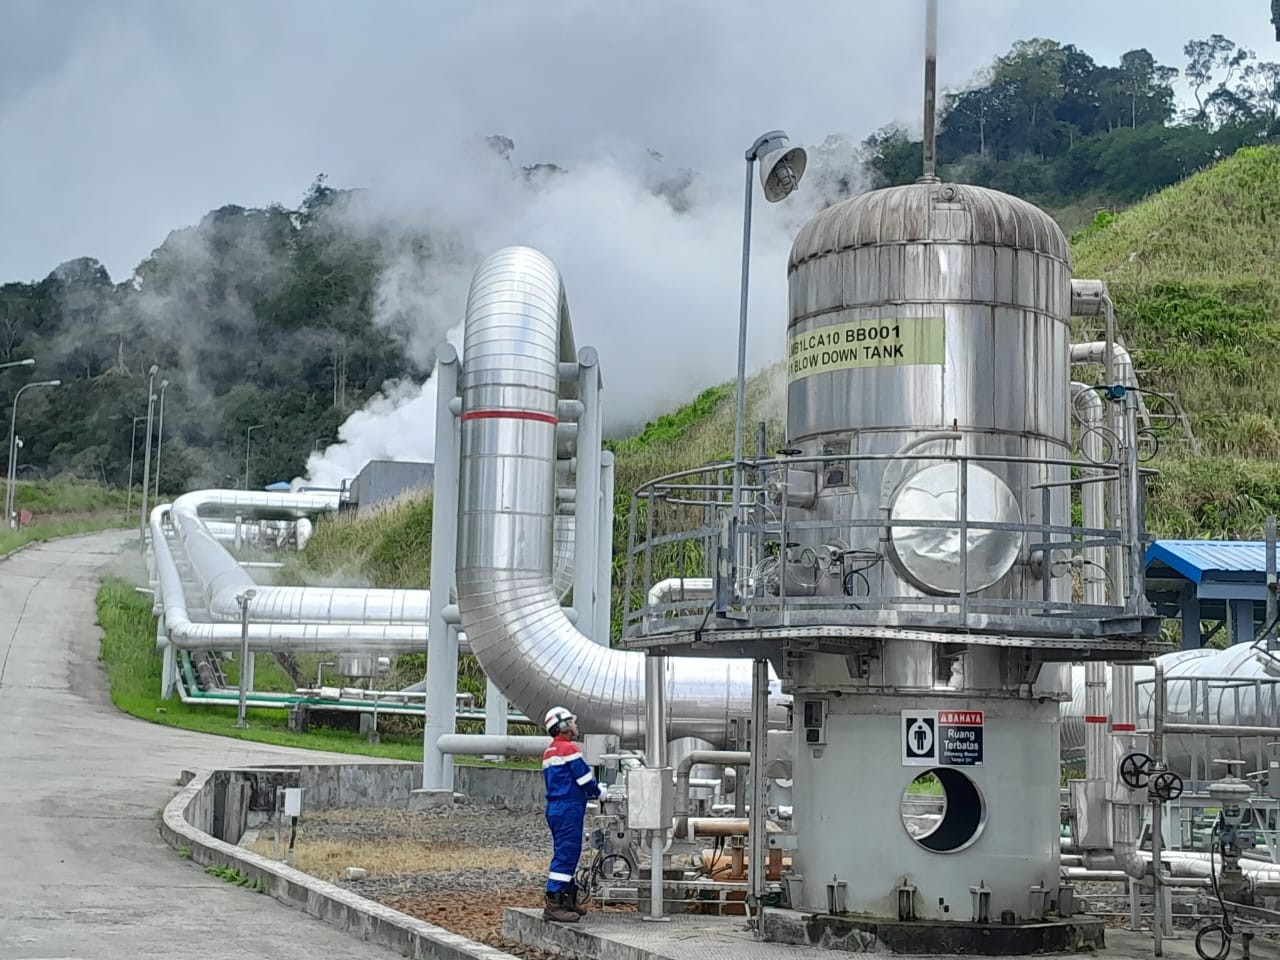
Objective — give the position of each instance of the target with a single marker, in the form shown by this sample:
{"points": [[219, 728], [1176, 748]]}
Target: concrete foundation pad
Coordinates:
{"points": [[430, 799], [625, 936], [933, 937]]}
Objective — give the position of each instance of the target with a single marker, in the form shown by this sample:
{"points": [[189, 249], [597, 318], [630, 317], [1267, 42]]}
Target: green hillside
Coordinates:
{"points": [[1193, 273]]}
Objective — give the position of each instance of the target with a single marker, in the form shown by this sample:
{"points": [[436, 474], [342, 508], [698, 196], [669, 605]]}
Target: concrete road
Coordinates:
{"points": [[83, 872]]}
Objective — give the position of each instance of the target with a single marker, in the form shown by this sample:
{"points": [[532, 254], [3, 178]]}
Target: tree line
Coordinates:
{"points": [[1047, 122]]}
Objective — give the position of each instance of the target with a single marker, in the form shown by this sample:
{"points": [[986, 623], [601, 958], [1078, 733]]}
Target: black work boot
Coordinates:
{"points": [[570, 900], [555, 909]]}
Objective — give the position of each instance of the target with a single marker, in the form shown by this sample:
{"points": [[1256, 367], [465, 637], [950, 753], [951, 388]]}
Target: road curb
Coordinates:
{"points": [[325, 901], [17, 550]]}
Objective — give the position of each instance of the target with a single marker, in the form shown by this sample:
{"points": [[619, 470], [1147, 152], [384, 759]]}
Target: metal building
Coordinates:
{"points": [[384, 480]]}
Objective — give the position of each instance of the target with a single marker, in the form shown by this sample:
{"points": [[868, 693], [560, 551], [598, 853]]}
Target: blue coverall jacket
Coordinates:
{"points": [[570, 784]]}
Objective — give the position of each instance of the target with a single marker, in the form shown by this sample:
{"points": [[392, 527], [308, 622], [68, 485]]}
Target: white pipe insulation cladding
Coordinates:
{"points": [[187, 634], [339, 619], [517, 321], [222, 579]]}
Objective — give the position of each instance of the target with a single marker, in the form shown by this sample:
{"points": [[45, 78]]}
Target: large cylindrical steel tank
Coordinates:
{"points": [[928, 321], [923, 309]]}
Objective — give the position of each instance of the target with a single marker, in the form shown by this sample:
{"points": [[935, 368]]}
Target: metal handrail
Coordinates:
{"points": [[684, 513]]}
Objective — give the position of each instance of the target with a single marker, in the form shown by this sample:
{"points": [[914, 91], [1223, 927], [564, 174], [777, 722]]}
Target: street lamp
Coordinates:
{"points": [[18, 363], [247, 434], [133, 440], [146, 457], [160, 437], [13, 423], [17, 446], [315, 447], [781, 167]]}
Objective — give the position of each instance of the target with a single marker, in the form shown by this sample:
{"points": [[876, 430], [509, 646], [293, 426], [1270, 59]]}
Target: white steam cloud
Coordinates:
{"points": [[651, 259]]}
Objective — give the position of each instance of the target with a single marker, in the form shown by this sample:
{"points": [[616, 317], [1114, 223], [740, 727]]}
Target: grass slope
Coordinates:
{"points": [[61, 508], [1193, 272]]}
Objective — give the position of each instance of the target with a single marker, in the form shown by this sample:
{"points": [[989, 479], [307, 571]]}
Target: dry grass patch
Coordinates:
{"points": [[327, 859]]}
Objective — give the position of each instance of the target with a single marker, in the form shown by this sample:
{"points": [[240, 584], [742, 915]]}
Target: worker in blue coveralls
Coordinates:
{"points": [[570, 785]]}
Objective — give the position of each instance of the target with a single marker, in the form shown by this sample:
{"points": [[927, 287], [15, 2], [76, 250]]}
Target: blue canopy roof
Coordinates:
{"points": [[1243, 561]]}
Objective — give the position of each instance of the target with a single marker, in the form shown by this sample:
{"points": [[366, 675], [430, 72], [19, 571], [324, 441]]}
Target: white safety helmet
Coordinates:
{"points": [[556, 716]]}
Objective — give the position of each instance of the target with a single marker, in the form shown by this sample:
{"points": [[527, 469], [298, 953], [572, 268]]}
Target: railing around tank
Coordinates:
{"points": [[1215, 719], [691, 557]]}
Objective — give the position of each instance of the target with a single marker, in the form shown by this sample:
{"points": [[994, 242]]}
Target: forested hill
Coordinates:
{"points": [[1048, 123], [254, 316], [278, 317]]}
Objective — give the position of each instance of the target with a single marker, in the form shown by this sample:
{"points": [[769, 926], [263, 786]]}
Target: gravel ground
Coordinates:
{"points": [[466, 822], [469, 900]]}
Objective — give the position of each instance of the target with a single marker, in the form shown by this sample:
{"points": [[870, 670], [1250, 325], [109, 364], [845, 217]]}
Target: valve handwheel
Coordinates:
{"points": [[1167, 785], [1135, 770]]}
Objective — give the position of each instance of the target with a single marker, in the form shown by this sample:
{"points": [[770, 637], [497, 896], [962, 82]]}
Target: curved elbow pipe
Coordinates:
{"points": [[1096, 352], [517, 331], [719, 757]]}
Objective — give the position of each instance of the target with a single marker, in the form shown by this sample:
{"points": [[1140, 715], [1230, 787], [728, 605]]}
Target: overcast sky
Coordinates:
{"points": [[121, 121]]}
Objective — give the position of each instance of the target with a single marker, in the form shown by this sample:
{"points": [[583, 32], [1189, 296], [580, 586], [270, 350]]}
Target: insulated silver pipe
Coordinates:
{"points": [[1094, 574], [685, 769], [479, 744], [186, 634], [516, 332], [655, 745], [221, 579]]}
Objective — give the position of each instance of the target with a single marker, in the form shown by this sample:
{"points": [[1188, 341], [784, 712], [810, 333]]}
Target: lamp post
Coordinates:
{"points": [[243, 599], [133, 440], [315, 447], [781, 167], [13, 423], [146, 456], [160, 437], [18, 363], [17, 447], [248, 433]]}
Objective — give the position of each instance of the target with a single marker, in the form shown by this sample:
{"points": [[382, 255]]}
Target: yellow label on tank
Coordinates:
{"points": [[896, 342]]}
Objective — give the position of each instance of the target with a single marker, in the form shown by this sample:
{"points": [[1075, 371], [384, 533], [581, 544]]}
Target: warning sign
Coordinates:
{"points": [[895, 342], [960, 738], [949, 738]]}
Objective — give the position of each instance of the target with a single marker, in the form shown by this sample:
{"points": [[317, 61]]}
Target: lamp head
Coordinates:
{"points": [[163, 384], [781, 169], [29, 362]]}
